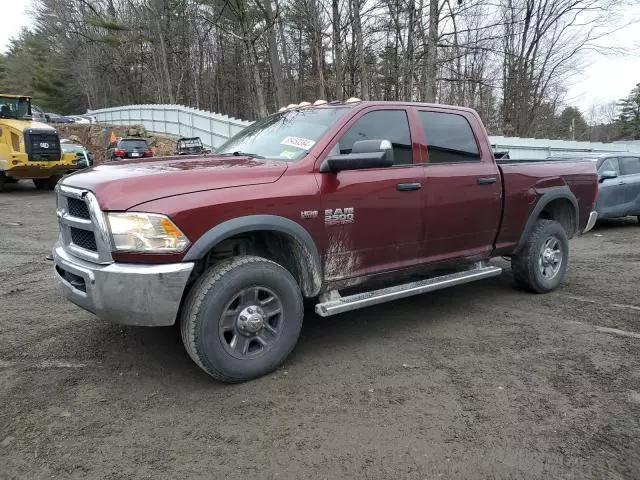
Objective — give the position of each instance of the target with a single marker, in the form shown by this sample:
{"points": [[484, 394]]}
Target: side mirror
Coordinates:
{"points": [[608, 174], [364, 154]]}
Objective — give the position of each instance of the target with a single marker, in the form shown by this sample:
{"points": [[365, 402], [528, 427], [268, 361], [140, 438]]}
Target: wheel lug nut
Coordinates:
{"points": [[250, 310], [243, 318]]}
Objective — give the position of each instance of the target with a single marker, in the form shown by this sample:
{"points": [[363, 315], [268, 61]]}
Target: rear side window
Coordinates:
{"points": [[449, 138], [139, 144], [389, 125], [609, 165], [629, 165]]}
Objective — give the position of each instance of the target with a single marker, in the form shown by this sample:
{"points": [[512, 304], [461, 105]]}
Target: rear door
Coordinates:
{"points": [[373, 217], [630, 179], [463, 190]]}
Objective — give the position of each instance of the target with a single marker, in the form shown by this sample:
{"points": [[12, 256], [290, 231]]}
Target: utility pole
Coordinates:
{"points": [[572, 129]]}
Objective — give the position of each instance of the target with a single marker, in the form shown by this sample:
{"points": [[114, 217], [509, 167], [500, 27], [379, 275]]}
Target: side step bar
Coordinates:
{"points": [[374, 297]]}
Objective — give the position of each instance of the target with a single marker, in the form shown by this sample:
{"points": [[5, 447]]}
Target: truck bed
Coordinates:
{"points": [[525, 181]]}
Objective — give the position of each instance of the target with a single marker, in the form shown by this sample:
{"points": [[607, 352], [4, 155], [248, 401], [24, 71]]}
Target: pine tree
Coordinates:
{"points": [[628, 122]]}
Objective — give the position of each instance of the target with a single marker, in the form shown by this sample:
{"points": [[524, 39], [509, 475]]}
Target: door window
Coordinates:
{"points": [[449, 138], [391, 125], [629, 165], [609, 165]]}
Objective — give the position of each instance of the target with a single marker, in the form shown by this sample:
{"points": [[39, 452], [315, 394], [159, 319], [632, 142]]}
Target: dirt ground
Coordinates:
{"points": [[481, 381]]}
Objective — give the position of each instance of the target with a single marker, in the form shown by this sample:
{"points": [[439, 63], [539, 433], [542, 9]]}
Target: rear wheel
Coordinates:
{"points": [[541, 265], [242, 318], [46, 183]]}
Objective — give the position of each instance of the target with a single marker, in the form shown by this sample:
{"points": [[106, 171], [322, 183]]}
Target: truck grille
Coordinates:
{"points": [[84, 239], [78, 208], [81, 224], [42, 145]]}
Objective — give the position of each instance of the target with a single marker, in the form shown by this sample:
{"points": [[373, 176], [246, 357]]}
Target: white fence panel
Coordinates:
{"points": [[214, 129], [178, 120]]}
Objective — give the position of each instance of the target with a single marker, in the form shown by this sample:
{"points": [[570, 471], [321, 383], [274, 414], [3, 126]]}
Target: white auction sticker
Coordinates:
{"points": [[298, 142]]}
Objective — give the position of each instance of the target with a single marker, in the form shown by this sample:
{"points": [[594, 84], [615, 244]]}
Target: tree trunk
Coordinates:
{"points": [[431, 66], [357, 32], [253, 61], [409, 61], [337, 49], [164, 62], [274, 57]]}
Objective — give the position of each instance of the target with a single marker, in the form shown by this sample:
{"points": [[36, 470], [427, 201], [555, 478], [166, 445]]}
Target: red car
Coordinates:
{"points": [[343, 203]]}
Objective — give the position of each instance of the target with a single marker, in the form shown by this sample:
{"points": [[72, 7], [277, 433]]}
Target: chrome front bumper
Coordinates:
{"points": [[131, 294], [593, 216]]}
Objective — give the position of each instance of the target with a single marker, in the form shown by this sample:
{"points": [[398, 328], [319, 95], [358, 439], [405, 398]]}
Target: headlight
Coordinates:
{"points": [[145, 232]]}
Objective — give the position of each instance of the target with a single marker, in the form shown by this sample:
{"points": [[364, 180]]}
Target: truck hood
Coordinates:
{"points": [[22, 125], [124, 184]]}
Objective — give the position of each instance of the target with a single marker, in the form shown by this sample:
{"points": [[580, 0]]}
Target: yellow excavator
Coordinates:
{"points": [[29, 149]]}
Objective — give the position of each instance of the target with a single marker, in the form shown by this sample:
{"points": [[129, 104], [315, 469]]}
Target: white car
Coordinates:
{"points": [[79, 119]]}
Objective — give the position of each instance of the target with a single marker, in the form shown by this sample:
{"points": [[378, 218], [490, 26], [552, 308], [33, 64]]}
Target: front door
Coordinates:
{"points": [[630, 177], [373, 217], [610, 203]]}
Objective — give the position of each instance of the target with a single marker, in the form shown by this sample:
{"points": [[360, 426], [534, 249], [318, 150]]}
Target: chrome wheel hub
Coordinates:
{"points": [[550, 259], [250, 320]]}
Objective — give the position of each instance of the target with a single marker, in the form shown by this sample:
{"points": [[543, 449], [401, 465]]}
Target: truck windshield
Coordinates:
{"points": [[15, 107], [286, 136]]}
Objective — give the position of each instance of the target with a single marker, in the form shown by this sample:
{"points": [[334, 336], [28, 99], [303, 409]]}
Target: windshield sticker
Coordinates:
{"points": [[298, 142], [288, 154]]}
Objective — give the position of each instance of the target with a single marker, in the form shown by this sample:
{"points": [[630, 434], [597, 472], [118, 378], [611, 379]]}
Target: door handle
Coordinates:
{"points": [[407, 187], [622, 183], [487, 180]]}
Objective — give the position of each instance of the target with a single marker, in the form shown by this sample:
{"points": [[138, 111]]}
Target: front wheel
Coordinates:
{"points": [[541, 265], [46, 183], [242, 318]]}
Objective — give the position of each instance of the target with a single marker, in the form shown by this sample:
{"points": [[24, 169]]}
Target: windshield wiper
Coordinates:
{"points": [[239, 154]]}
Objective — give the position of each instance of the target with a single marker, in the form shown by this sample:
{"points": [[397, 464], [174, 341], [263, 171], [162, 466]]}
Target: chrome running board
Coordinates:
{"points": [[374, 297]]}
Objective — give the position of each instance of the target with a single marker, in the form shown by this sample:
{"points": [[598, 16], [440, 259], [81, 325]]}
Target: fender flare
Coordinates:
{"points": [[256, 223], [549, 195]]}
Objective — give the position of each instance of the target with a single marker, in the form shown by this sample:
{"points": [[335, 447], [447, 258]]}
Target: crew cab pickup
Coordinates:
{"points": [[346, 205]]}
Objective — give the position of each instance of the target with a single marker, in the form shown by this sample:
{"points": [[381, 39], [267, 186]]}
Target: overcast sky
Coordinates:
{"points": [[607, 78]]}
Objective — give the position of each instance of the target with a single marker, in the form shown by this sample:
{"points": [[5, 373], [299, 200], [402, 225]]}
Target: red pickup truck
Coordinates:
{"points": [[346, 204]]}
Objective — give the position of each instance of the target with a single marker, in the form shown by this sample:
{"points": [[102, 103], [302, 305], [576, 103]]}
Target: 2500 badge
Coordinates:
{"points": [[339, 216]]}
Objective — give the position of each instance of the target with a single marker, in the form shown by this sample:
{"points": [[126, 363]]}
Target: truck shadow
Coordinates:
{"points": [[24, 188], [159, 353], [611, 223]]}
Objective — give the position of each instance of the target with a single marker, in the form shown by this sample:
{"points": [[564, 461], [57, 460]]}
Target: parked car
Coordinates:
{"points": [[79, 119], [619, 190], [130, 148], [83, 157], [190, 146], [344, 204], [55, 118]]}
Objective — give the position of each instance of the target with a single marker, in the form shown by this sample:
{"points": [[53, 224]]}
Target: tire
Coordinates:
{"points": [[46, 183], [536, 268], [213, 332]]}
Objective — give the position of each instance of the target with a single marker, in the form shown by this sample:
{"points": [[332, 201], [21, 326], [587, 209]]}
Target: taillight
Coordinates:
{"points": [[118, 153], [148, 153]]}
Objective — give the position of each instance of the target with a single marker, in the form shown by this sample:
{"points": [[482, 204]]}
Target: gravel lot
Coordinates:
{"points": [[480, 381]]}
